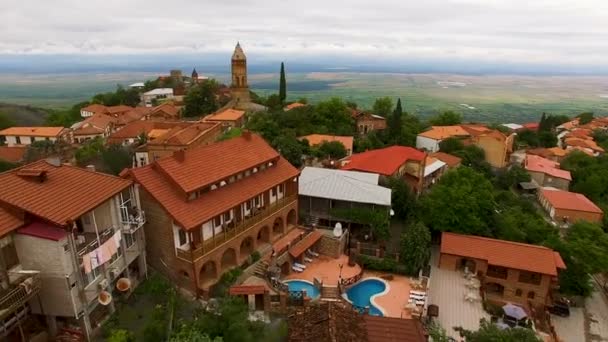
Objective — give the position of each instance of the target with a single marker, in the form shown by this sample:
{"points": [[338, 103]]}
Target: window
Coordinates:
{"points": [[217, 221], [529, 277], [518, 292], [257, 201], [227, 216], [10, 255], [213, 187], [129, 240], [531, 295], [247, 205], [183, 238], [272, 192], [239, 176], [18, 140], [497, 272], [247, 173]]}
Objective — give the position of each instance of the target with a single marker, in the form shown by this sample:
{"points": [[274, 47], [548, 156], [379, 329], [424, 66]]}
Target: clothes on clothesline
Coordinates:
{"points": [[102, 254]]}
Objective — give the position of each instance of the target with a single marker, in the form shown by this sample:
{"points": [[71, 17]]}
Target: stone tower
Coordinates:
{"points": [[239, 88], [194, 76]]}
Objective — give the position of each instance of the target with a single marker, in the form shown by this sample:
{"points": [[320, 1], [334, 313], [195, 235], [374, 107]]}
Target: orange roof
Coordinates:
{"points": [[539, 164], [318, 139], [503, 253], [118, 109], [449, 159], [226, 115], [569, 125], [183, 135], [95, 108], [237, 290], [581, 149], [585, 143], [444, 132], [391, 329], [209, 164], [57, 193], [532, 126], [476, 129], [561, 199], [385, 161], [293, 105], [13, 154], [557, 151], [9, 221], [167, 108], [33, 131], [135, 128], [305, 243], [95, 124], [287, 240]]}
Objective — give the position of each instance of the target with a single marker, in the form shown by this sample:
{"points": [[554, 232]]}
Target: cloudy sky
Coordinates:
{"points": [[516, 31]]}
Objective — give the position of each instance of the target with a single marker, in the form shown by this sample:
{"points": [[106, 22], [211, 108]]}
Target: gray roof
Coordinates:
{"points": [[352, 186]]}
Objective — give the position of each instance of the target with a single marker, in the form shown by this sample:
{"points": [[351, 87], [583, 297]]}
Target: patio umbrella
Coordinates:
{"points": [[502, 326], [514, 311]]}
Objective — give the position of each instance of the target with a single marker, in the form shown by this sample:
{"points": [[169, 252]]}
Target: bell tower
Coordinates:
{"points": [[239, 87]]}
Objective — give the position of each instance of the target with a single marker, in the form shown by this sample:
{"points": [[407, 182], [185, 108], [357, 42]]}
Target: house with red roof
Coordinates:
{"points": [[67, 235], [546, 172], [509, 272], [401, 162], [210, 207], [568, 207]]}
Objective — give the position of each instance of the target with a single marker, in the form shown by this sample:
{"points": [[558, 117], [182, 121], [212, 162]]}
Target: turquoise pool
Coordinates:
{"points": [[362, 292], [303, 285]]}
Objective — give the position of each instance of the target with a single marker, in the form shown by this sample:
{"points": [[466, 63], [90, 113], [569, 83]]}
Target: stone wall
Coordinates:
{"points": [[330, 245]]}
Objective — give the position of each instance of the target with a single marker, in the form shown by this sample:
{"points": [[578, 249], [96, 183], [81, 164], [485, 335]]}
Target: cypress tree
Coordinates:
{"points": [[542, 125], [283, 84], [396, 121]]}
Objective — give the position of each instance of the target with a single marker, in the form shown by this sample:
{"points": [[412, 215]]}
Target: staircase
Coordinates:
{"points": [[330, 293], [260, 268], [311, 220]]}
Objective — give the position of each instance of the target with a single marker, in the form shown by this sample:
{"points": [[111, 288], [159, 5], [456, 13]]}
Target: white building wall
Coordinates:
{"points": [[428, 144]]}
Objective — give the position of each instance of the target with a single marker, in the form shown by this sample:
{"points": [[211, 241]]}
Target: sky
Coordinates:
{"points": [[564, 32]]}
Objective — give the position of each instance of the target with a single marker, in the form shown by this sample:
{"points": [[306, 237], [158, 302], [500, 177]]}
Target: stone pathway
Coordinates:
{"points": [[597, 316]]}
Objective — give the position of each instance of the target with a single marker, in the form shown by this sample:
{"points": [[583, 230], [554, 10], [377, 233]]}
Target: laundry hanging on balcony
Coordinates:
{"points": [[102, 254]]}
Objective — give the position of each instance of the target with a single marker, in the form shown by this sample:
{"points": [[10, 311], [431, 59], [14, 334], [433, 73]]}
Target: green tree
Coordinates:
{"points": [[6, 165], [447, 118], [588, 245], [451, 145], [331, 149], [116, 158], [376, 219], [201, 99], [334, 115], [415, 250], [489, 332], [89, 151], [403, 200], [274, 102], [527, 138], [585, 118], [474, 157], [547, 139], [395, 127], [282, 84], [462, 202], [512, 176], [121, 335], [6, 121], [543, 124], [383, 106], [290, 148]]}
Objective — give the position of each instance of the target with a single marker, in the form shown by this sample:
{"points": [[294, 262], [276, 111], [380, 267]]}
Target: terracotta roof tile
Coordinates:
{"points": [[503, 253], [95, 124], [226, 115], [570, 200], [183, 135], [237, 290], [385, 161], [444, 132], [13, 154], [539, 164], [449, 159], [9, 221], [169, 109], [118, 109], [95, 108], [585, 143], [293, 105], [392, 329], [532, 126], [50, 132], [67, 192], [305, 243], [134, 129], [318, 139]]}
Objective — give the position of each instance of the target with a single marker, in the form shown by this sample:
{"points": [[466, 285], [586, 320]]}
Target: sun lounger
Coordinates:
{"points": [[297, 269], [419, 293], [307, 259], [314, 254], [297, 264]]}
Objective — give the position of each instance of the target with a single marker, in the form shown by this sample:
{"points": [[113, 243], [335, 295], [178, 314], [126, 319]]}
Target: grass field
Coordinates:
{"points": [[488, 98]]}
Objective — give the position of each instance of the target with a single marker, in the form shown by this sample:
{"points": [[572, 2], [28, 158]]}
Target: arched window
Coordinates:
{"points": [[531, 295]]}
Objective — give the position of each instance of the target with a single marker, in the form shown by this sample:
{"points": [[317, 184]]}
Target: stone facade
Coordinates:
{"points": [[543, 179], [330, 245]]}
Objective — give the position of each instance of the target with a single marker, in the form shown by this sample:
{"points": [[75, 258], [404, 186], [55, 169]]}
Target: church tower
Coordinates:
{"points": [[239, 87]]}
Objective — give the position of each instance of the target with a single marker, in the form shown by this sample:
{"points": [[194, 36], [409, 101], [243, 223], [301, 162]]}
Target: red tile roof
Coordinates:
{"points": [[560, 199], [535, 163], [226, 115], [95, 124], [9, 221], [169, 109], [532, 126], [183, 135], [44, 231], [293, 105], [503, 253], [449, 159], [118, 109], [318, 139], [57, 193], [51, 132], [305, 243], [13, 154], [287, 240], [210, 164], [134, 129], [95, 108], [237, 290], [385, 161], [393, 329]]}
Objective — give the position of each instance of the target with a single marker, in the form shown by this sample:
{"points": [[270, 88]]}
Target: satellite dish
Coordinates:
{"points": [[338, 230], [104, 298], [123, 284], [392, 212]]}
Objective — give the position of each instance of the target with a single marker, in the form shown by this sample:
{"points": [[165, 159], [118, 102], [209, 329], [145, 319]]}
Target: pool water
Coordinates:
{"points": [[361, 293], [302, 285]]}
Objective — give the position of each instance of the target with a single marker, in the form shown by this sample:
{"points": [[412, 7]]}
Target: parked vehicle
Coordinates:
{"points": [[560, 308]]}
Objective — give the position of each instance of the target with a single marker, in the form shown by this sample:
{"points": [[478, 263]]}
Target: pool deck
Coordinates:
{"points": [[327, 270]]}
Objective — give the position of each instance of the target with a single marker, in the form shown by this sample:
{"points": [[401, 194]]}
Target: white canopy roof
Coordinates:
{"points": [[352, 186]]}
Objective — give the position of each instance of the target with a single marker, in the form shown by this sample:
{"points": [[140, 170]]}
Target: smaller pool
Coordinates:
{"points": [[362, 292], [303, 285]]}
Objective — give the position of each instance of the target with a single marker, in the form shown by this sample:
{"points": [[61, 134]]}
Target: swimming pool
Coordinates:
{"points": [[303, 285], [362, 293]]}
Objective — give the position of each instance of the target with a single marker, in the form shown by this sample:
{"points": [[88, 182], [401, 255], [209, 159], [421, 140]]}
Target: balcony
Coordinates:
{"points": [[132, 219], [233, 231], [18, 294], [87, 242]]}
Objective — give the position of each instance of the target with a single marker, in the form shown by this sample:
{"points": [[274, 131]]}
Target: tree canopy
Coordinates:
{"points": [[331, 149], [447, 118], [415, 250], [383, 106], [588, 245], [201, 99], [489, 331]]}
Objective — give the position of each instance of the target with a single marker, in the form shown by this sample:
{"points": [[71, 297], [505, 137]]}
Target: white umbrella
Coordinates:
{"points": [[514, 311]]}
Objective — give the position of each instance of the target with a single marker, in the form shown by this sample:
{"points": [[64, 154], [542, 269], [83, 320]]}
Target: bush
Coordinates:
{"points": [[121, 335], [380, 264], [220, 289], [255, 256]]}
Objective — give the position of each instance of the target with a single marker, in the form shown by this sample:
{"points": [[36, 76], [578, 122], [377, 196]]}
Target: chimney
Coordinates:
{"points": [[91, 167], [179, 155], [246, 134]]}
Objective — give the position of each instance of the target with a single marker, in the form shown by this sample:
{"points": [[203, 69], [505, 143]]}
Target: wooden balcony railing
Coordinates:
{"points": [[230, 233], [18, 295]]}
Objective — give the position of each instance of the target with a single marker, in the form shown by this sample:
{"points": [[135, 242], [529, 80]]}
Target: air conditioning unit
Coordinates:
{"points": [[103, 284]]}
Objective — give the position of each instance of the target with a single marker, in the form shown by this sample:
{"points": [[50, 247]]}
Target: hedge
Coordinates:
{"points": [[380, 264]]}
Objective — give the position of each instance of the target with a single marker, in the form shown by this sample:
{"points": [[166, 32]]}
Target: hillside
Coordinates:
{"points": [[24, 115]]}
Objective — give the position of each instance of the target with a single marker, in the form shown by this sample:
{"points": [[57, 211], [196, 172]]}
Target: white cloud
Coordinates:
{"points": [[544, 31]]}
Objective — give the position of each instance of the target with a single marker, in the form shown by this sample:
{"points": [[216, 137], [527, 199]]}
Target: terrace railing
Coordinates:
{"points": [[18, 295], [231, 232]]}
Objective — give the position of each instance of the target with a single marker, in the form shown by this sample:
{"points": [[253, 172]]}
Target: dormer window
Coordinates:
{"points": [[213, 187], [231, 179], [239, 176], [263, 167], [255, 169], [247, 173], [222, 183], [270, 164]]}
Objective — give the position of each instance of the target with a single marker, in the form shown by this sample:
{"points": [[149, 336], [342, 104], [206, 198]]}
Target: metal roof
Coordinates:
{"points": [[352, 186]]}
